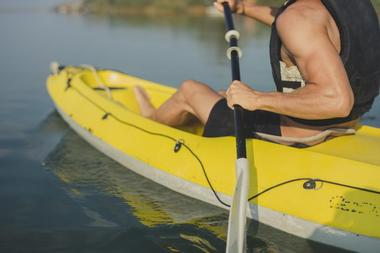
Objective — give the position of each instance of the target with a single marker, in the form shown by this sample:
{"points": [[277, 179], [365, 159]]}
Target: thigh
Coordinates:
{"points": [[220, 121], [200, 98]]}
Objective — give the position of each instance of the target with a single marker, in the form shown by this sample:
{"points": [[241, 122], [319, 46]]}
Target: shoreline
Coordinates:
{"points": [[83, 7], [164, 8]]}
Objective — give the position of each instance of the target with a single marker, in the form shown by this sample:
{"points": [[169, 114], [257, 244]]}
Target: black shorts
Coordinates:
{"points": [[221, 122]]}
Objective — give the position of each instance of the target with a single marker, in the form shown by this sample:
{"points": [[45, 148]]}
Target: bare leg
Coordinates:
{"points": [[146, 107], [192, 99]]}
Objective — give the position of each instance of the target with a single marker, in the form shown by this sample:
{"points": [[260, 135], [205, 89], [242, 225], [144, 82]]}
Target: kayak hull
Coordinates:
{"points": [[286, 207]]}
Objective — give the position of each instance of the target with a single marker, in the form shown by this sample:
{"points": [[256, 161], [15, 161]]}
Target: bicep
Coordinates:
{"points": [[316, 57]]}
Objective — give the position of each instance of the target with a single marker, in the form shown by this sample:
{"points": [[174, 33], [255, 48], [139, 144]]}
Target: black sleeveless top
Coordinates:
{"points": [[360, 53]]}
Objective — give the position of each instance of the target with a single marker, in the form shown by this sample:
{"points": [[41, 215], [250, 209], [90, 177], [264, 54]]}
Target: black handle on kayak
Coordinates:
{"points": [[235, 68]]}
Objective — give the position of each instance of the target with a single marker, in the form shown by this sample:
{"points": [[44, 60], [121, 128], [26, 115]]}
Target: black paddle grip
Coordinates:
{"points": [[235, 69], [228, 16]]}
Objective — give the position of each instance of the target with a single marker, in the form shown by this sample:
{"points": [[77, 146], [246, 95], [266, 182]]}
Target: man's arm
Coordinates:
{"points": [[327, 93], [263, 14]]}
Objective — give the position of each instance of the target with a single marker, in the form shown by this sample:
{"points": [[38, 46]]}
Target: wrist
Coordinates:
{"points": [[264, 100]]}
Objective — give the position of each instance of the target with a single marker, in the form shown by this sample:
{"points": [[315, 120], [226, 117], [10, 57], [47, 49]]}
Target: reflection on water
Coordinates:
{"points": [[113, 197], [116, 200]]}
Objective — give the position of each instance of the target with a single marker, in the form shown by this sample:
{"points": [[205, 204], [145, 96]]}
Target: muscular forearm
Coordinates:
{"points": [[306, 103], [264, 14]]}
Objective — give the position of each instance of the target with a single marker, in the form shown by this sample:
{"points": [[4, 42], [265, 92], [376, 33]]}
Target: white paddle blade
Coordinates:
{"points": [[236, 234]]}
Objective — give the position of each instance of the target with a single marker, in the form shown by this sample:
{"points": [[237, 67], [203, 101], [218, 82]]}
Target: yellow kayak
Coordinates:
{"points": [[328, 193]]}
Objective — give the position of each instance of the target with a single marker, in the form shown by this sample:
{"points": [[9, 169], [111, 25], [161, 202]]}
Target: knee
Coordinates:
{"points": [[189, 87]]}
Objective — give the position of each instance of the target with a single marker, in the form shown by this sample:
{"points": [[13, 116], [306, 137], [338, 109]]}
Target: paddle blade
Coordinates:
{"points": [[237, 220]]}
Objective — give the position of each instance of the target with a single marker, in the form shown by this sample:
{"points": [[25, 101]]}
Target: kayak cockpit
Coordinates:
{"points": [[118, 88]]}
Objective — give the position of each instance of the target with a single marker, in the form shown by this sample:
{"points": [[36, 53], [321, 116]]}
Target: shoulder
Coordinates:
{"points": [[303, 14], [302, 27]]}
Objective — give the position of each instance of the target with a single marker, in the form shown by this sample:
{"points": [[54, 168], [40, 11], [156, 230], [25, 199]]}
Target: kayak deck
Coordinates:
{"points": [[346, 169]]}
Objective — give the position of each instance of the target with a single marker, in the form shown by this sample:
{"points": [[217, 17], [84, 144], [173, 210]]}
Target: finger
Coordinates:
{"points": [[234, 85], [231, 101], [218, 6], [237, 83], [228, 91], [229, 104], [228, 98]]}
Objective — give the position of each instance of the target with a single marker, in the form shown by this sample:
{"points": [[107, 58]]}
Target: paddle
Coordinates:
{"points": [[237, 220]]}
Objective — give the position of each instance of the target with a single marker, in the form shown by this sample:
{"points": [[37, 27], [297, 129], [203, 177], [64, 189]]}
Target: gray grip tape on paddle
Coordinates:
{"points": [[232, 34], [231, 49], [228, 36]]}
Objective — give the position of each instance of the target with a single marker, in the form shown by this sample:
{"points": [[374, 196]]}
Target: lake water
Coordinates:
{"points": [[58, 194]]}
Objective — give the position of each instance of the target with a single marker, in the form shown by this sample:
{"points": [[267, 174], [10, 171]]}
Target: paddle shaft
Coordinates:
{"points": [[235, 68], [236, 233]]}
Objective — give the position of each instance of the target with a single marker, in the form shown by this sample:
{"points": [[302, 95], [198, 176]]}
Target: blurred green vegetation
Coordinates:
{"points": [[145, 2], [150, 5], [376, 3], [182, 2], [166, 5]]}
